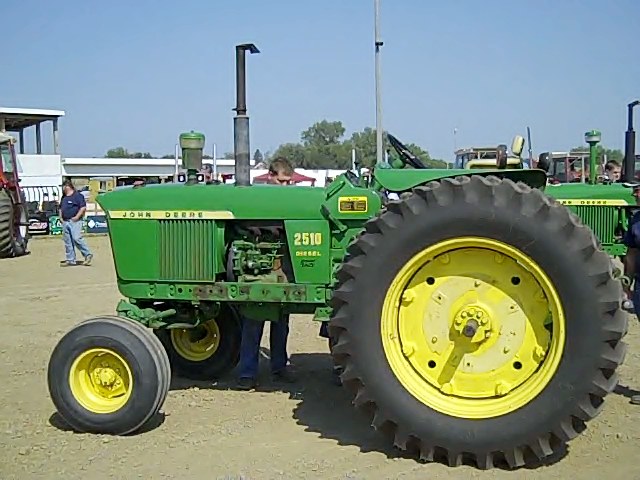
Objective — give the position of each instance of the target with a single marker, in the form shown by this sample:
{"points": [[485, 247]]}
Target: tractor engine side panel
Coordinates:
{"points": [[309, 247]]}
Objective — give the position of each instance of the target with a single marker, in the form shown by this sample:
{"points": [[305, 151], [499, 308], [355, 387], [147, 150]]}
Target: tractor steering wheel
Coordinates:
{"points": [[405, 154]]}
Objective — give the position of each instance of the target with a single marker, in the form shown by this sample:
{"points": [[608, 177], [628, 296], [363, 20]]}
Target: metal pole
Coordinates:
{"points": [[215, 163], [176, 155], [378, 44]]}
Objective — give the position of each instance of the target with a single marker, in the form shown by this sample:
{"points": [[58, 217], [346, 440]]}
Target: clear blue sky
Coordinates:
{"points": [[137, 73]]}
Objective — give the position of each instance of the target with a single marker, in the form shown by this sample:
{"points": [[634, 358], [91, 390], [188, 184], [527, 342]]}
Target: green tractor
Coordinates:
{"points": [[462, 329], [606, 207]]}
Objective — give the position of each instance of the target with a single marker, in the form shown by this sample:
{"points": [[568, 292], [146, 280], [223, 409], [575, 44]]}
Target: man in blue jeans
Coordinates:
{"points": [[72, 210], [280, 173]]}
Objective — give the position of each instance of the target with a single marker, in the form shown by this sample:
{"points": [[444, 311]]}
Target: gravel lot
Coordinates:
{"points": [[211, 431]]}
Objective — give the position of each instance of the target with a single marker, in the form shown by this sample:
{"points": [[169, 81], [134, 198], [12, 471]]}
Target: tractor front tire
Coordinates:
{"points": [[108, 375], [478, 321], [12, 243], [205, 352]]}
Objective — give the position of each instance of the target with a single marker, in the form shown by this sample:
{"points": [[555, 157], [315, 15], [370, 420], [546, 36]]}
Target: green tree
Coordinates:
{"points": [[140, 155], [365, 144], [118, 152], [323, 134], [121, 152], [612, 154], [257, 156], [322, 146], [294, 152]]}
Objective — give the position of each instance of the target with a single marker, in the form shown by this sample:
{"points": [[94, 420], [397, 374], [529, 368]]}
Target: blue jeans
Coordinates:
{"points": [[72, 237], [250, 345], [635, 297]]}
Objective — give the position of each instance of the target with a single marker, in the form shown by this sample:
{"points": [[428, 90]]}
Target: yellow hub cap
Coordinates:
{"points": [[101, 380], [196, 344], [473, 328]]}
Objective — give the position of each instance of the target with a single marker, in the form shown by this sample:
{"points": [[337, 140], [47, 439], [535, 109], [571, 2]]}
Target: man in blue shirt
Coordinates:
{"points": [[72, 210]]}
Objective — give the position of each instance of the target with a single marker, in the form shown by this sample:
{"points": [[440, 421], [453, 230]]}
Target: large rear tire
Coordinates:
{"points": [[108, 375], [205, 352], [478, 321], [13, 238]]}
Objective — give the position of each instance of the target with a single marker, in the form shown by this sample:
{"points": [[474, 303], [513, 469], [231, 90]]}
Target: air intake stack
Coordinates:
{"points": [[192, 145], [630, 146], [241, 120]]}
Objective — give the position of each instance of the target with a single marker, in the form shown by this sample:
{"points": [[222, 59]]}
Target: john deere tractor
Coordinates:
{"points": [[462, 328], [605, 206], [14, 235]]}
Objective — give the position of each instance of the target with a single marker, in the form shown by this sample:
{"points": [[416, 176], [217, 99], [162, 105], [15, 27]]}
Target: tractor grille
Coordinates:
{"points": [[186, 249], [602, 220]]}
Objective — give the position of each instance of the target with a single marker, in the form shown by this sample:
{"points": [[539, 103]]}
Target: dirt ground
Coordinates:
{"points": [[212, 431]]}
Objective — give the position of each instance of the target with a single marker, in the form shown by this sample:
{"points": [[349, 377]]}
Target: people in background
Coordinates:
{"points": [[280, 173], [207, 171], [612, 171], [72, 209]]}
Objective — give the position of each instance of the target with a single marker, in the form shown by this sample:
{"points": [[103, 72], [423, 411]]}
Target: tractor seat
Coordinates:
{"points": [[492, 163]]}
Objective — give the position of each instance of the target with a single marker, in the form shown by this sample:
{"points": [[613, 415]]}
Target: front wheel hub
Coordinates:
{"points": [[473, 323]]}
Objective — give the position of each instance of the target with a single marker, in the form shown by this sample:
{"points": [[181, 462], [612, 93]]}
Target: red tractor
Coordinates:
{"points": [[14, 233]]}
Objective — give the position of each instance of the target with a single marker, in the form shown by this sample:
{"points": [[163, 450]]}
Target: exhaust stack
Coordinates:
{"points": [[630, 146], [241, 145]]}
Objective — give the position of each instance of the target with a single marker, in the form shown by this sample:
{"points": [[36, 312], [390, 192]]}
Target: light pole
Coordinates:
{"points": [[378, 44]]}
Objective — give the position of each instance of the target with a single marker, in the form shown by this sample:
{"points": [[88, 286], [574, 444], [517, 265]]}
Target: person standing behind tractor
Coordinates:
{"points": [[280, 173], [72, 209], [631, 278]]}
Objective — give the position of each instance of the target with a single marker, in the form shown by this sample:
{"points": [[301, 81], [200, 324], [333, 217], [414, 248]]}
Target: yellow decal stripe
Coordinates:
{"points": [[592, 202], [171, 215]]}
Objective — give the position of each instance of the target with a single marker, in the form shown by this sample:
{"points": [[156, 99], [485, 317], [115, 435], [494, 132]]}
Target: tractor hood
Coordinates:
{"points": [[614, 194], [223, 202]]}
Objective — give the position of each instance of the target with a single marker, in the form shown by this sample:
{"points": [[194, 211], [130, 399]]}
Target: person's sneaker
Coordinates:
{"points": [[65, 263], [635, 399], [246, 383], [283, 376], [87, 261]]}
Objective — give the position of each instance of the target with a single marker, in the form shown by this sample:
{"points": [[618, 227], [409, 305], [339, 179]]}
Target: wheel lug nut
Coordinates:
{"points": [[501, 388]]}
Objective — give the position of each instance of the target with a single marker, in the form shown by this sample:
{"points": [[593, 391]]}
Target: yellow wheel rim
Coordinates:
{"points": [[196, 344], [473, 328], [101, 380]]}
